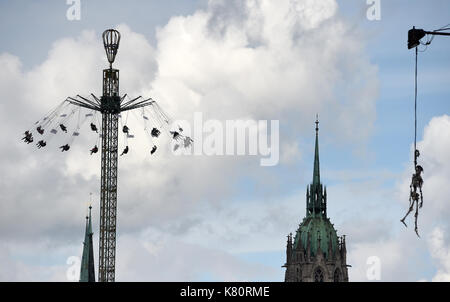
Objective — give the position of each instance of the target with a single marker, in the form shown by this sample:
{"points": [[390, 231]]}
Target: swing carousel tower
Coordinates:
{"points": [[110, 105]]}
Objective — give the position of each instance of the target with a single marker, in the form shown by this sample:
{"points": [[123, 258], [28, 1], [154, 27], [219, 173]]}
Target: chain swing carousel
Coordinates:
{"points": [[104, 115]]}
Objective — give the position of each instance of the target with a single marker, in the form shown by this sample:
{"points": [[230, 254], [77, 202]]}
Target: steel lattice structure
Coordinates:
{"points": [[110, 105]]}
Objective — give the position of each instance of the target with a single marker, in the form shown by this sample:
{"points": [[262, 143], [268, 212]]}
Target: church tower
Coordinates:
{"points": [[87, 271], [316, 253]]}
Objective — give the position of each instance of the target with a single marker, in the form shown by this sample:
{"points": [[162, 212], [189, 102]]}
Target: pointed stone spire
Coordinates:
{"points": [[316, 241], [316, 173], [289, 249], [316, 198], [87, 271]]}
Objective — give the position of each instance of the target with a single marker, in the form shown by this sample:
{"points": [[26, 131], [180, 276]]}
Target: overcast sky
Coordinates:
{"points": [[225, 218]]}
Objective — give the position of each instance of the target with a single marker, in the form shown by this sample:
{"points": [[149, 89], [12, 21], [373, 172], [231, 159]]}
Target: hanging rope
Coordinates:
{"points": [[146, 130], [79, 125], [415, 112], [100, 129], [125, 135], [56, 122], [415, 189], [42, 125]]}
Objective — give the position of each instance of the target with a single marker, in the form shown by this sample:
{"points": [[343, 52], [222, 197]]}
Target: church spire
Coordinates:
{"points": [[316, 197], [316, 253], [316, 173], [87, 271]]}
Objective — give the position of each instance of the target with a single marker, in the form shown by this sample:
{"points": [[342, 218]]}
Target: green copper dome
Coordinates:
{"points": [[316, 227]]}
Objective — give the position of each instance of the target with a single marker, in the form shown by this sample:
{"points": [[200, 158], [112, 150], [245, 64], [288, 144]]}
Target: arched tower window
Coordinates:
{"points": [[337, 275], [318, 275]]}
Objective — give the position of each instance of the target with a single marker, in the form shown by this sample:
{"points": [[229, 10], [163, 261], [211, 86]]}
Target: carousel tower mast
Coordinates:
{"points": [[110, 109], [110, 105]]}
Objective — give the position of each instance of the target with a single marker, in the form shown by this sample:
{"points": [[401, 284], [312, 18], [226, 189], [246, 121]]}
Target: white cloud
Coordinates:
{"points": [[390, 254], [285, 60], [441, 254], [403, 255], [271, 60], [290, 153], [434, 149], [154, 256]]}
